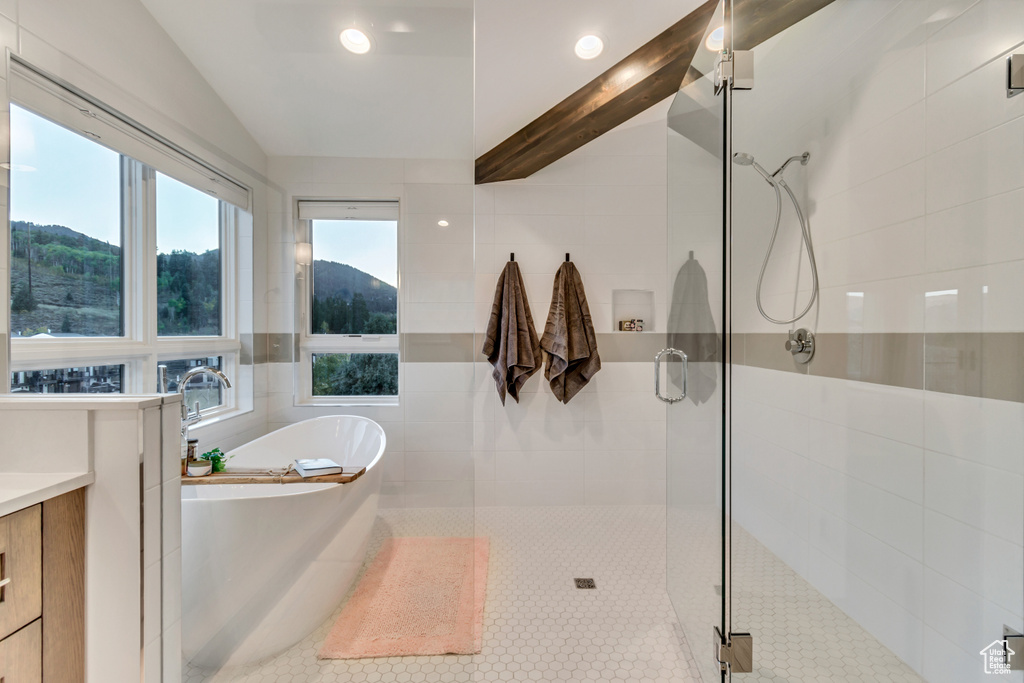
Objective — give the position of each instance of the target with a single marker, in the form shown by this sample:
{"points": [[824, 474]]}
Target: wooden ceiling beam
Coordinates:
{"points": [[647, 76]]}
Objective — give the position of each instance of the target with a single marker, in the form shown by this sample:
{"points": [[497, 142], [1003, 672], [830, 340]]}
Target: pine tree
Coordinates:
{"points": [[23, 301], [360, 314]]}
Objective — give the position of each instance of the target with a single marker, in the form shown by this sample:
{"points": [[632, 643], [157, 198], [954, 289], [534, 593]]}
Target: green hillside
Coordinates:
{"points": [[348, 301], [75, 282], [75, 285]]}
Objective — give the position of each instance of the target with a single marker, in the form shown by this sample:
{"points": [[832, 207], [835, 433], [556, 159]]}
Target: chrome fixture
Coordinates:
{"points": [[1014, 76], [801, 345], [744, 159], [188, 419], [657, 375], [161, 379], [735, 654], [734, 69], [776, 180]]}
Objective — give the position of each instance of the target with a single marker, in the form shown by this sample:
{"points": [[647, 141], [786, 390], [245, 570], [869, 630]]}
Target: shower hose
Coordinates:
{"points": [[805, 234]]}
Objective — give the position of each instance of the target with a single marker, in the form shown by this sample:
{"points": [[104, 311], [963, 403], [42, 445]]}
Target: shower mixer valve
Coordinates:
{"points": [[801, 345]]}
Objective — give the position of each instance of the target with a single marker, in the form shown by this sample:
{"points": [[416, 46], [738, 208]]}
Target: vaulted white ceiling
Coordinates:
{"points": [[280, 66], [525, 62]]}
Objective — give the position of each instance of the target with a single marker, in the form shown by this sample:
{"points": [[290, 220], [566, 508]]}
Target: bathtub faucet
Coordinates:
{"points": [[189, 419]]}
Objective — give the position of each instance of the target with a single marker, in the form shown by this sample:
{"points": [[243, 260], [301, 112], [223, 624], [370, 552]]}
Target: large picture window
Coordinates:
{"points": [[66, 247], [350, 337], [122, 253]]}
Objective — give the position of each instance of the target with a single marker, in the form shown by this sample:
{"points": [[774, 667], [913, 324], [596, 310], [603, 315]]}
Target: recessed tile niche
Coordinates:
{"points": [[633, 304]]}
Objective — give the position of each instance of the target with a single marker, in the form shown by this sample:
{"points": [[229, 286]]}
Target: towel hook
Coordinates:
{"points": [[566, 257], [512, 256]]}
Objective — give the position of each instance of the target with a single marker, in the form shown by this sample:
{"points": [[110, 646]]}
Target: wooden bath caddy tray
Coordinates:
{"points": [[271, 477]]}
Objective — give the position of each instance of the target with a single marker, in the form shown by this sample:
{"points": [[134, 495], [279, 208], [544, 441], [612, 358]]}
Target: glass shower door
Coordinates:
{"points": [[697, 424]]}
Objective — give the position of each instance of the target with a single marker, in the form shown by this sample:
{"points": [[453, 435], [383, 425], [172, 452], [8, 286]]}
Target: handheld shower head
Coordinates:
{"points": [[744, 159]]}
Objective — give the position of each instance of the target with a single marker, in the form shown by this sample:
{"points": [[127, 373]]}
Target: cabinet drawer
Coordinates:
{"points": [[21, 558], [21, 655]]}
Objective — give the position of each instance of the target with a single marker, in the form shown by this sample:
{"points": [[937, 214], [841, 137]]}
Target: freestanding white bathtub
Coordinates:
{"points": [[263, 565]]}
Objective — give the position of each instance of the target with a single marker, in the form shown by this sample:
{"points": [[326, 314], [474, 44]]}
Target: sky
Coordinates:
{"points": [[63, 178], [370, 246]]}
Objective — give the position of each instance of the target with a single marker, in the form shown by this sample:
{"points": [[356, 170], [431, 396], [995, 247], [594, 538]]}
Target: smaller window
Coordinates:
{"points": [[205, 389], [355, 374], [350, 342], [355, 274], [94, 379]]}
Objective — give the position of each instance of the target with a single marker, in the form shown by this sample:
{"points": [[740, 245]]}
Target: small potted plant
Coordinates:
{"points": [[218, 459]]}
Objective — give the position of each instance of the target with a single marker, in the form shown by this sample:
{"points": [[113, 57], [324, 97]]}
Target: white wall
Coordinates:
{"points": [[450, 442], [903, 506], [605, 204]]}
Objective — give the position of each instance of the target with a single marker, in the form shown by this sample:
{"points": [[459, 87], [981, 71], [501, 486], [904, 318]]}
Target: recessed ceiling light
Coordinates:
{"points": [[443, 223], [356, 41], [589, 46], [716, 39]]}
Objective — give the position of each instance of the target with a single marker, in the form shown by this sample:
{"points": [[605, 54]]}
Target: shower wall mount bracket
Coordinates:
{"points": [[801, 345], [735, 69], [1014, 75]]}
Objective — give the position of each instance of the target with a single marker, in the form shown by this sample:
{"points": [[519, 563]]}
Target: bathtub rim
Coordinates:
{"points": [[310, 488]]}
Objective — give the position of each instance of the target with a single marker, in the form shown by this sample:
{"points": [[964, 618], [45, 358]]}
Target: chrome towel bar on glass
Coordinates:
{"points": [[657, 375]]}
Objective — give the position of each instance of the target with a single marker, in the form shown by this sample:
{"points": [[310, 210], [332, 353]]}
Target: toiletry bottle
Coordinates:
{"points": [[193, 447]]}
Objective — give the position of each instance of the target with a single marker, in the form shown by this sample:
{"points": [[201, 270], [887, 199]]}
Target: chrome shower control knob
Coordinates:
{"points": [[796, 346], [801, 345]]}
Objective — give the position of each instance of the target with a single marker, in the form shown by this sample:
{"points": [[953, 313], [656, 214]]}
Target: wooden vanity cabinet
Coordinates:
{"points": [[42, 592]]}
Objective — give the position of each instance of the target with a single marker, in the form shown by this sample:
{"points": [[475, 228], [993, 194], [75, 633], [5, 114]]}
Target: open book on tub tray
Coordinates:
{"points": [[317, 467]]}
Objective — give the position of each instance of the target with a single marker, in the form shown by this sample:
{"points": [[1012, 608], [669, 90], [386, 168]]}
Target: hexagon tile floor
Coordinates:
{"points": [[539, 627]]}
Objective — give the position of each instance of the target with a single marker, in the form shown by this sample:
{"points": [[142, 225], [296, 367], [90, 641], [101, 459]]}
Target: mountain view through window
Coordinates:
{"points": [[354, 292], [65, 232]]}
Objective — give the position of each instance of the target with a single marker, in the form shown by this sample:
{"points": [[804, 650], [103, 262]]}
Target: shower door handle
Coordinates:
{"points": [[657, 375]]}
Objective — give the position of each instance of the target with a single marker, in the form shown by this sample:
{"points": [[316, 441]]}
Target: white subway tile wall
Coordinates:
{"points": [[604, 204], [904, 507]]}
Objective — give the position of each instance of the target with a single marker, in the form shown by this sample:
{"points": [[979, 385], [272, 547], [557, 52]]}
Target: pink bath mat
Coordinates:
{"points": [[420, 596]]}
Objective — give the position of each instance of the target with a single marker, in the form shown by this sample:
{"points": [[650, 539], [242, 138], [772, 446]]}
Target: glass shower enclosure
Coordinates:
{"points": [[695, 387], [857, 517]]}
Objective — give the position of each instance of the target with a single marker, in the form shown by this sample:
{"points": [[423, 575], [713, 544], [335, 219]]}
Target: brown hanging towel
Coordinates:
{"points": [[569, 336], [511, 343]]}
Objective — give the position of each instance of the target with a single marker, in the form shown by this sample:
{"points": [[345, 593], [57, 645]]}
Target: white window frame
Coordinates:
{"points": [[141, 348], [306, 211]]}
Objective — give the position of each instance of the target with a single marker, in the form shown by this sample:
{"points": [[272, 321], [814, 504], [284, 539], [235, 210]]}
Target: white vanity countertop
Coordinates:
{"points": [[19, 490]]}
